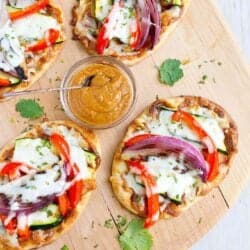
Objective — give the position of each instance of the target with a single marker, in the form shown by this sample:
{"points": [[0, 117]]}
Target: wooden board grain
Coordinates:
{"points": [[236, 13], [203, 42]]}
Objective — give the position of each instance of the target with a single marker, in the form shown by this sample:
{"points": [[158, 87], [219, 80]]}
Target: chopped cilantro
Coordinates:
{"points": [[121, 222], [199, 221], [204, 77], [108, 223], [136, 237], [170, 71], [29, 108], [65, 247]]}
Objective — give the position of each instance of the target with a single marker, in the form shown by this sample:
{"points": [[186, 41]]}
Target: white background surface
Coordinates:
{"points": [[233, 231]]}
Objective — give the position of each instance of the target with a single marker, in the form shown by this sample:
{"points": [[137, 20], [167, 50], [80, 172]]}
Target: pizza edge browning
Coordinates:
{"points": [[45, 237], [124, 193], [44, 62], [79, 11]]}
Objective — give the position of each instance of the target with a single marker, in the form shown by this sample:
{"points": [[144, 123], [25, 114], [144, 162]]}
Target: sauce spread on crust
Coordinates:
{"points": [[106, 99]]}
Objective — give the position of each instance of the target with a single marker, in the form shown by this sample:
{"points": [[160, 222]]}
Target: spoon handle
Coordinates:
{"points": [[27, 92]]}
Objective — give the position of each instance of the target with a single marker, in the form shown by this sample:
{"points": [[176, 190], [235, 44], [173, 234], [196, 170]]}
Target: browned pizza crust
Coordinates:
{"points": [[45, 58], [84, 7], [43, 237], [126, 195]]}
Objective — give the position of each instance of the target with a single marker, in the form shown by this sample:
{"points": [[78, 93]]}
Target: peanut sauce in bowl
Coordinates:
{"points": [[108, 96]]}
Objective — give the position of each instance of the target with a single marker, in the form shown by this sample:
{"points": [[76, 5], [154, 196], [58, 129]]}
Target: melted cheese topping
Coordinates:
{"points": [[35, 152], [33, 27], [121, 19], [30, 188], [77, 154], [135, 185], [208, 120], [172, 178], [11, 52]]}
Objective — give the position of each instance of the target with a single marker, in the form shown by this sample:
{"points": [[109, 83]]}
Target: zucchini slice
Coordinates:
{"points": [[102, 8], [91, 158], [45, 218], [12, 9]]}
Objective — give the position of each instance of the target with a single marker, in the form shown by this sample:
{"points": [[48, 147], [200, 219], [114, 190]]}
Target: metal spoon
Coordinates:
{"points": [[86, 83]]}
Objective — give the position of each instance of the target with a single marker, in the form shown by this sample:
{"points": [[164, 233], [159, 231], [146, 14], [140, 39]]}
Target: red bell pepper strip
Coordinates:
{"points": [[24, 233], [135, 33], [34, 8], [11, 226], [212, 155], [4, 82], [102, 40], [153, 206], [136, 139], [75, 193], [61, 146], [12, 169], [63, 149], [51, 37], [64, 204]]}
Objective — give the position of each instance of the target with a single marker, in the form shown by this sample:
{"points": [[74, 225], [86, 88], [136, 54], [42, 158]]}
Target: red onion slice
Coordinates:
{"points": [[156, 21], [145, 22], [165, 144], [25, 208]]}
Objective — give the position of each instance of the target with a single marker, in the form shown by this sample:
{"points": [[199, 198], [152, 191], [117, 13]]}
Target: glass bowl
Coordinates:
{"points": [[80, 65]]}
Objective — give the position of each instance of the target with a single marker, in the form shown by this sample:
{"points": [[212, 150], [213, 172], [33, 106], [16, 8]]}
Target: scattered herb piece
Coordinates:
{"points": [[121, 222], [199, 221], [201, 82], [96, 245], [58, 79], [92, 224], [185, 61], [108, 223], [12, 120], [65, 247], [170, 71], [204, 77], [29, 108], [136, 237]]}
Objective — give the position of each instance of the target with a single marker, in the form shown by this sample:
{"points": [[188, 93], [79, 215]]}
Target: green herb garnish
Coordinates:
{"points": [[108, 223], [136, 237], [29, 108], [170, 71], [121, 222], [65, 247]]}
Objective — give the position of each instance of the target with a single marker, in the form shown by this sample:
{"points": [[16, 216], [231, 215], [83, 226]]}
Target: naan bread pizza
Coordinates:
{"points": [[46, 177], [128, 30], [31, 37], [177, 150]]}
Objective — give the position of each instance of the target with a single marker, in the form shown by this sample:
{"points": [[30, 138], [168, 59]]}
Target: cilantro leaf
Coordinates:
{"points": [[170, 71], [29, 108], [65, 247], [108, 223], [136, 237]]}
